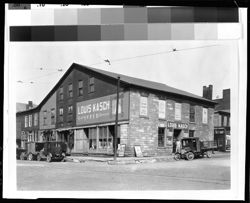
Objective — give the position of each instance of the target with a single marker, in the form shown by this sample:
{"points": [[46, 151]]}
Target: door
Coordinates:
{"points": [[176, 135]]}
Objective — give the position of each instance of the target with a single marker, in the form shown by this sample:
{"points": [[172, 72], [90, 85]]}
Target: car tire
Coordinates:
{"points": [[22, 156], [209, 154], [190, 156], [30, 157], [177, 156], [48, 158], [38, 158]]}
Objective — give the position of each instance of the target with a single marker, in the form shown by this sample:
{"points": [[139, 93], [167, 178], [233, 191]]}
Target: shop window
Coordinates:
{"points": [[36, 119], [204, 115], [52, 116], [92, 138], [70, 89], [191, 133], [103, 138], [26, 121], [44, 117], [70, 109], [61, 93], [177, 114], [80, 88], [161, 137], [192, 114], [91, 84], [143, 106]]}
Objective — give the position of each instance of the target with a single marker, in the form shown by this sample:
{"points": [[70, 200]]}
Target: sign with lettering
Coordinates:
{"points": [[143, 106], [162, 109], [102, 109], [177, 125], [138, 151], [121, 149]]}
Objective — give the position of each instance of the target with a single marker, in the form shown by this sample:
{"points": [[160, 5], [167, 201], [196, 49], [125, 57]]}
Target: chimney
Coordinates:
{"points": [[30, 105], [208, 92]]}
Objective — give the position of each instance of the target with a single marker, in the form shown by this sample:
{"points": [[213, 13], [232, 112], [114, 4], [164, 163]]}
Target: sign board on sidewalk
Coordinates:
{"points": [[121, 149], [138, 151]]}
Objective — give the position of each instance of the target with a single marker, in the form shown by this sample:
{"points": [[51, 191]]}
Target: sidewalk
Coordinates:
{"points": [[127, 160], [119, 160]]}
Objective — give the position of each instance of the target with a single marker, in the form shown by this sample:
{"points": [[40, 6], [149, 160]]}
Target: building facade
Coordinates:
{"points": [[150, 115]]}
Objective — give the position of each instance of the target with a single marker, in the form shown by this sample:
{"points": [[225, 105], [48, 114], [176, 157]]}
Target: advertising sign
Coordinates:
{"points": [[102, 109]]}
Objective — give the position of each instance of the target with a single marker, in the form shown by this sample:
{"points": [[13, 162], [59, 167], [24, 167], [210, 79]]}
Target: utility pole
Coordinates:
{"points": [[116, 117]]}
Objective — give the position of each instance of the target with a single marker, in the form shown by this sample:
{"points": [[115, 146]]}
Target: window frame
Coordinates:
{"points": [[60, 93], [45, 117], [91, 84], [26, 122], [192, 114], [175, 111], [52, 116], [80, 88], [70, 90], [163, 137], [140, 110]]}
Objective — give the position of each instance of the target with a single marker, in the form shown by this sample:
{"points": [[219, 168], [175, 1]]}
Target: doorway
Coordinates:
{"points": [[176, 135]]}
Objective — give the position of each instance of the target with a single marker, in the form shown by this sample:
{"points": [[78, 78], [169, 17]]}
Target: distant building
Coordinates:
{"points": [[221, 117]]}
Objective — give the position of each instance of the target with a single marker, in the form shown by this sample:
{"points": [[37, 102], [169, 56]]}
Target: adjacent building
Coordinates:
{"points": [[80, 110]]}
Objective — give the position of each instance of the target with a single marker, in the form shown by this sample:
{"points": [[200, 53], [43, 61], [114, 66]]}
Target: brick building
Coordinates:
{"points": [[151, 115]]}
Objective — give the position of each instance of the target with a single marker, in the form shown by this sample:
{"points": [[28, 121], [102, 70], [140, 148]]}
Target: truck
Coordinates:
{"points": [[192, 147]]}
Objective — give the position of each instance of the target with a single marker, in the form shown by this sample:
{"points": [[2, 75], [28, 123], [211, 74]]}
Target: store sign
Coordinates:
{"points": [[143, 106], [177, 125], [102, 109], [162, 109]]}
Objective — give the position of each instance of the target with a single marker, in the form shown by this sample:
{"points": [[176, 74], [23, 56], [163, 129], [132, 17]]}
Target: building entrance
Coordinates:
{"points": [[176, 135]]}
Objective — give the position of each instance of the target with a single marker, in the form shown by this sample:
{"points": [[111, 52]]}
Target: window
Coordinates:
{"points": [[36, 119], [44, 117], [191, 133], [91, 84], [26, 121], [30, 120], [70, 88], [92, 138], [161, 137], [228, 121], [61, 93], [162, 109], [60, 114], [192, 114], [204, 115], [220, 121], [70, 109], [80, 88], [225, 121], [177, 114], [143, 106], [52, 114]]}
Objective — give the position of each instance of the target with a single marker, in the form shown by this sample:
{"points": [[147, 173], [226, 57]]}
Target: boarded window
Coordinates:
{"points": [[177, 111]]}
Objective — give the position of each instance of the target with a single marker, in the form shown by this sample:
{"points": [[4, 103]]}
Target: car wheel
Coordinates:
{"points": [[48, 158], [177, 156], [30, 157], [22, 155], [190, 156], [209, 154], [38, 158]]}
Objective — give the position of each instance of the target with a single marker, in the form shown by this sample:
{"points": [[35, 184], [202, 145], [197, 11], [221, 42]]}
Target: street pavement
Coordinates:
{"points": [[198, 174]]}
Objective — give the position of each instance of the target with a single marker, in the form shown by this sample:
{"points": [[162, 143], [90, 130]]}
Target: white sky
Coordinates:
{"points": [[188, 70]]}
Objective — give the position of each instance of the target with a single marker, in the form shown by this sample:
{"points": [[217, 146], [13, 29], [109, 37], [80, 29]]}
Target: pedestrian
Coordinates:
{"points": [[178, 146]]}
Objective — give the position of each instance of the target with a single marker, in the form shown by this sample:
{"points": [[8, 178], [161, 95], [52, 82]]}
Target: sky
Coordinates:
{"points": [[195, 63]]}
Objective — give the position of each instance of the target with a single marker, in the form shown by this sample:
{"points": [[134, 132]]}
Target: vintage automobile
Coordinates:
{"points": [[52, 151], [192, 147], [49, 150]]}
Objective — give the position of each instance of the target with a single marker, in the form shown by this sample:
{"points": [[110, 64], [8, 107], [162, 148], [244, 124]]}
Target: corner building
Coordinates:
{"points": [[151, 115]]}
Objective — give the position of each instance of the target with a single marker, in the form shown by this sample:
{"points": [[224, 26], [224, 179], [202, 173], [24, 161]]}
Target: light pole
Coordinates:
{"points": [[116, 117]]}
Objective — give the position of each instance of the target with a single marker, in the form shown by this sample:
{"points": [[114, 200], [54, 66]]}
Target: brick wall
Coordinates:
{"points": [[143, 131]]}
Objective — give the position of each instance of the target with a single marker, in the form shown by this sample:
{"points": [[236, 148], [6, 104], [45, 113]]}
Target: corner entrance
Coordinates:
{"points": [[176, 135]]}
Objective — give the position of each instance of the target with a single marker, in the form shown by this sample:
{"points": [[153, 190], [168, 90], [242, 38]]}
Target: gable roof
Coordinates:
{"points": [[124, 79]]}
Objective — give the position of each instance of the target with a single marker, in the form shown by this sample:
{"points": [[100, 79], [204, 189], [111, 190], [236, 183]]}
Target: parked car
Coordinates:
{"points": [[19, 151], [192, 148], [52, 151], [31, 150]]}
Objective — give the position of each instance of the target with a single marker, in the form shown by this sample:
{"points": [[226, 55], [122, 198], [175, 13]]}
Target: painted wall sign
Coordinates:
{"points": [[177, 125], [102, 109], [162, 109]]}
